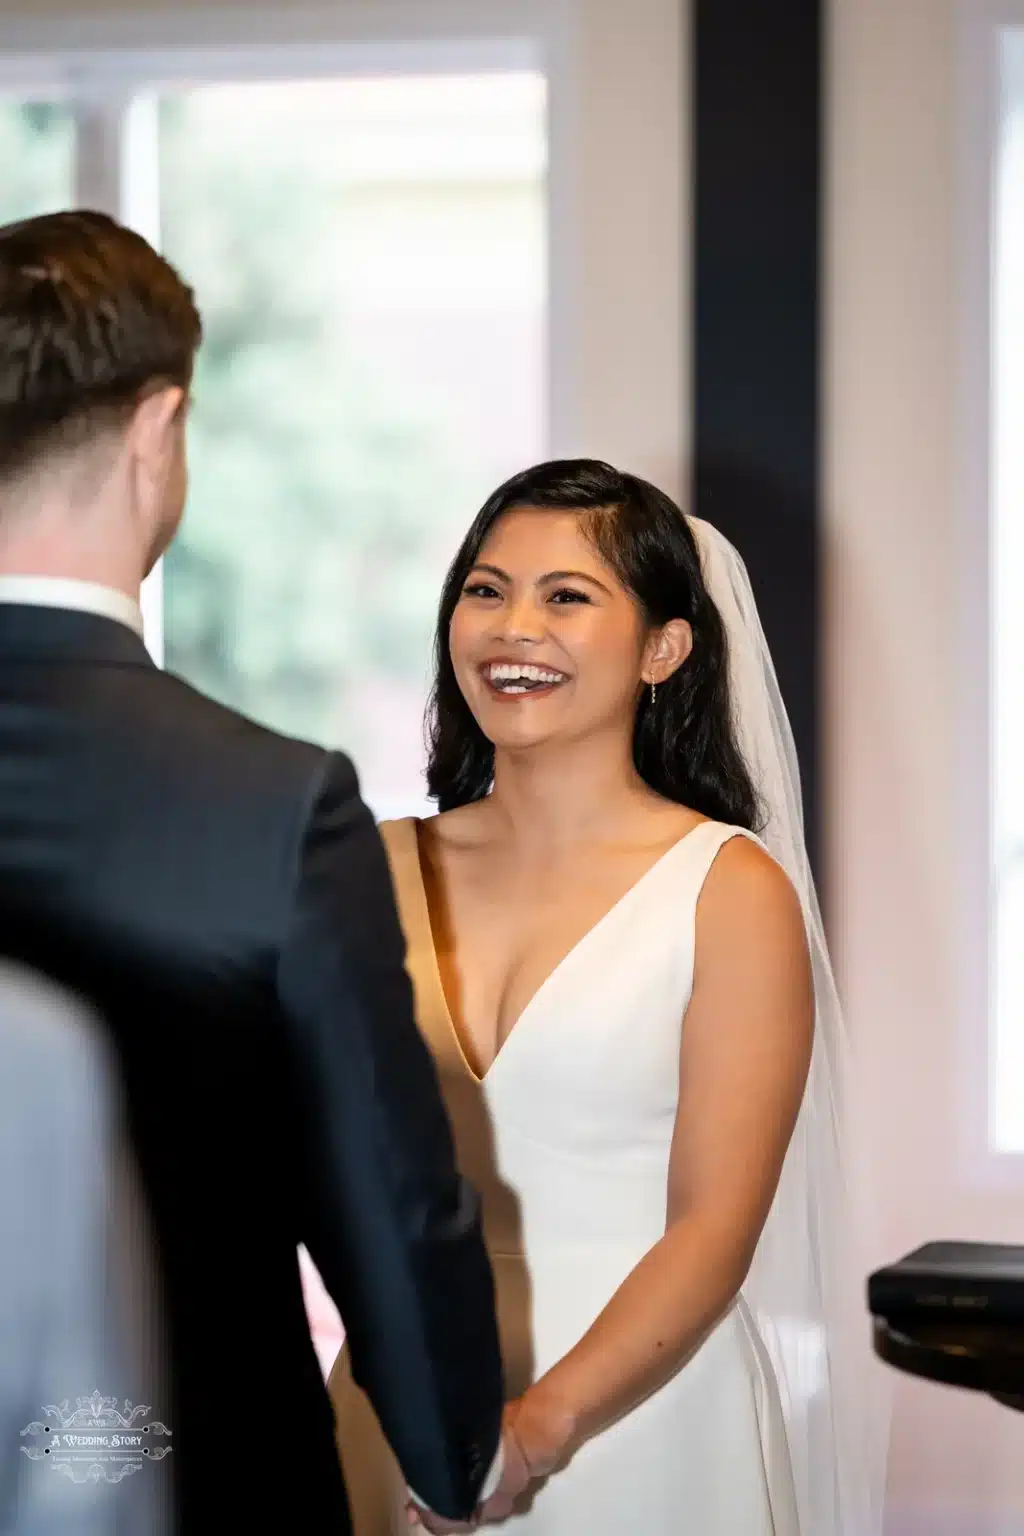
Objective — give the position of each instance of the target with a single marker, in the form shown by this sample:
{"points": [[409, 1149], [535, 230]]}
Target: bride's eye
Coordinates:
{"points": [[569, 595], [480, 589]]}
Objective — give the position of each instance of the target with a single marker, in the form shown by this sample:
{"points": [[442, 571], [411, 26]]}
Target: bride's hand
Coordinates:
{"points": [[515, 1475], [544, 1428], [538, 1434]]}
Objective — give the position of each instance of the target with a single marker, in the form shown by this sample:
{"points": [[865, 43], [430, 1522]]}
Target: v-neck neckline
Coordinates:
{"points": [[482, 1079]]}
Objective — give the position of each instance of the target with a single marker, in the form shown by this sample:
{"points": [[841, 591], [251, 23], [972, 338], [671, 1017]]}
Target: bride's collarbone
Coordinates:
{"points": [[525, 896]]}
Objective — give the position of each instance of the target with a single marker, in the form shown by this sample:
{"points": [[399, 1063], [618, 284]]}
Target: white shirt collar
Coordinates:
{"points": [[80, 596]]}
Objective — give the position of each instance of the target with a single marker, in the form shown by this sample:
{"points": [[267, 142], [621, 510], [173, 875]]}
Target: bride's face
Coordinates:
{"points": [[545, 641]]}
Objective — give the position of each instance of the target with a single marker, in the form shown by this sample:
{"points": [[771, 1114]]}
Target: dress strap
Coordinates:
{"points": [[701, 849]]}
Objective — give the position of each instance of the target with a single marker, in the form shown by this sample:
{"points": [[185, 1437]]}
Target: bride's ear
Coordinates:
{"points": [[667, 649]]}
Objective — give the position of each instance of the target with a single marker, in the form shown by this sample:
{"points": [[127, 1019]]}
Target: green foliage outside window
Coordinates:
{"points": [[300, 566]]}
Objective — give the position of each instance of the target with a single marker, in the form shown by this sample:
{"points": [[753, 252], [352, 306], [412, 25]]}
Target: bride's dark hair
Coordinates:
{"points": [[684, 745]]}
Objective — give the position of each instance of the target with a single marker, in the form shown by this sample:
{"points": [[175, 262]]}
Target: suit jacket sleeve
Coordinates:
{"points": [[393, 1230]]}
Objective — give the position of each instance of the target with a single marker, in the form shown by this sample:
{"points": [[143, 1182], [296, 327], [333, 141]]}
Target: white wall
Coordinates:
{"points": [[905, 523], [619, 208]]}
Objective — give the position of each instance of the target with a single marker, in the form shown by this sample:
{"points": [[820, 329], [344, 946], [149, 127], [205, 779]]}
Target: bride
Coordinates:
{"points": [[628, 997]]}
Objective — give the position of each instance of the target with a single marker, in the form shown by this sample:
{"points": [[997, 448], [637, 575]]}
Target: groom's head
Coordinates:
{"points": [[98, 335]]}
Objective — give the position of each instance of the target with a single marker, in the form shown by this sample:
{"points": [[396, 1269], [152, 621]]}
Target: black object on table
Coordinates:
{"points": [[954, 1313]]}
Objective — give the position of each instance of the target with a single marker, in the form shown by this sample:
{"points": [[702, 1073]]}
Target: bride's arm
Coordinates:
{"points": [[745, 1054]]}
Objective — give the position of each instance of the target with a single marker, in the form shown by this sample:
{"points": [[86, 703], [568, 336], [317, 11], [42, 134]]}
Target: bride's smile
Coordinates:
{"points": [[546, 642], [519, 679]]}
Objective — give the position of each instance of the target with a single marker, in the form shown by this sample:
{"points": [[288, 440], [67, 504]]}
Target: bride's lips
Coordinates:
{"points": [[512, 682]]}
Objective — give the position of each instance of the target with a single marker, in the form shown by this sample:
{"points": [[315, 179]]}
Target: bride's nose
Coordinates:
{"points": [[522, 620]]}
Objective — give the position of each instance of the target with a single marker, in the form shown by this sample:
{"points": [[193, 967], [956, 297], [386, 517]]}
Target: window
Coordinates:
{"points": [[1007, 584]]}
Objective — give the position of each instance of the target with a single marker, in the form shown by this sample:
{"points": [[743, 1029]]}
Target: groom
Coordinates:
{"points": [[220, 896]]}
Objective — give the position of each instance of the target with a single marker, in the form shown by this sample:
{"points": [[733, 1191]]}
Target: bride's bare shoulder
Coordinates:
{"points": [[746, 886], [745, 861]]}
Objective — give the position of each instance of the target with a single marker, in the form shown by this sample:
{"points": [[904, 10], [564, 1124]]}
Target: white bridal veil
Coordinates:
{"points": [[804, 1291]]}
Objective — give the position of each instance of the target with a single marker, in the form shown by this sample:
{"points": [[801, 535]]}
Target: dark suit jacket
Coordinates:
{"points": [[221, 895]]}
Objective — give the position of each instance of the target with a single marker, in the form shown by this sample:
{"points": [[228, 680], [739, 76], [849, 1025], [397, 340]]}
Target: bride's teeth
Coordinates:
{"points": [[513, 672]]}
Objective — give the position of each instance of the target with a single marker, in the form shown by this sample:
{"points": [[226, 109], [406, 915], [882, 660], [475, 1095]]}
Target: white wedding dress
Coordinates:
{"points": [[567, 1138]]}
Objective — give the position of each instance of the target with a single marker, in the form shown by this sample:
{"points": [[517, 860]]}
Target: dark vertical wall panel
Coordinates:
{"points": [[757, 101]]}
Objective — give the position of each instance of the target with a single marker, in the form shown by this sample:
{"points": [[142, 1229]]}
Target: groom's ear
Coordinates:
{"points": [[668, 648], [153, 430]]}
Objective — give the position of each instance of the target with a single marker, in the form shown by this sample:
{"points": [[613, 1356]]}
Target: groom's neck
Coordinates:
{"points": [[66, 540]]}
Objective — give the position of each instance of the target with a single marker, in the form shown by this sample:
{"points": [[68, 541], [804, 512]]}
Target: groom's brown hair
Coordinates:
{"points": [[91, 319]]}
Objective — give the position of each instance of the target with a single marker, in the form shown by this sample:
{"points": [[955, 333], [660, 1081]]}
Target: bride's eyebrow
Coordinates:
{"points": [[549, 576], [576, 576]]}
